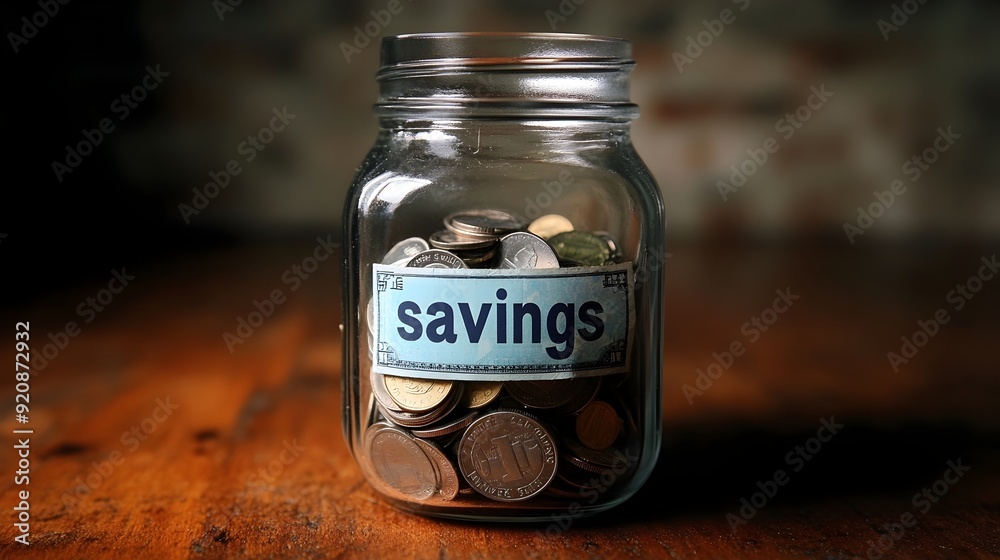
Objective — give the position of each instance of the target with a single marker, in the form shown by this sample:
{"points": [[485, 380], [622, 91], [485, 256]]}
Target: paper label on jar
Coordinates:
{"points": [[502, 324]]}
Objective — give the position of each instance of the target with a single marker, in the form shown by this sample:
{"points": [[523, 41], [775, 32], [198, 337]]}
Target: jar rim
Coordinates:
{"points": [[477, 48], [506, 74]]}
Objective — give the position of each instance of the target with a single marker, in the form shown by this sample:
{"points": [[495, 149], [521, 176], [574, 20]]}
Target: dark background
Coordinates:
{"points": [[827, 356], [941, 68], [938, 69]]}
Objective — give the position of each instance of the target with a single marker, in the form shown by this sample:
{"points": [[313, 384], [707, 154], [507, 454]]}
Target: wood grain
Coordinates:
{"points": [[209, 480]]}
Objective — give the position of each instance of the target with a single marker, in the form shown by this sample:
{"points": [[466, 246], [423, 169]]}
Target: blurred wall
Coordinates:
{"points": [[708, 91], [713, 80]]}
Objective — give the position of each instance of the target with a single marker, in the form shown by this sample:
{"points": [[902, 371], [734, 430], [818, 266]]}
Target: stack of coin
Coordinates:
{"points": [[509, 441], [474, 235], [436, 441]]}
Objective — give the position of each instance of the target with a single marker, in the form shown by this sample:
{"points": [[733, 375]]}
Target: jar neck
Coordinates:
{"points": [[501, 137], [506, 76], [475, 109]]}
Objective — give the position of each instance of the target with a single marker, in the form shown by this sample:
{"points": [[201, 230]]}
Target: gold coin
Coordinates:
{"points": [[481, 393], [550, 225], [417, 395], [598, 425]]}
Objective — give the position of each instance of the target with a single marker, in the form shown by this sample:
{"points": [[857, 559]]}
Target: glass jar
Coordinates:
{"points": [[503, 281]]}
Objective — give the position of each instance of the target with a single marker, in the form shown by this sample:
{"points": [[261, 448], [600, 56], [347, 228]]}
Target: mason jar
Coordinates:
{"points": [[502, 287]]}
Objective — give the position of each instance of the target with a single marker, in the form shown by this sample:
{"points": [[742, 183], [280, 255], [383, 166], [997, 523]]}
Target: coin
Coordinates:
{"points": [[544, 394], [381, 392], [447, 478], [525, 250], [582, 482], [507, 456], [409, 419], [613, 246], [502, 452], [422, 419], [473, 259], [405, 250], [587, 459], [598, 425], [585, 390], [419, 419], [417, 395], [550, 225], [447, 429], [481, 393], [582, 247], [400, 462], [451, 241], [436, 258], [558, 489], [483, 222]]}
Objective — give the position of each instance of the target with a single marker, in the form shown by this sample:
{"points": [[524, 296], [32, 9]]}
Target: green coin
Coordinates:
{"points": [[581, 247]]}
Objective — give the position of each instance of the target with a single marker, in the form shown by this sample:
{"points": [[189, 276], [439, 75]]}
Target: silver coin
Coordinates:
{"points": [[447, 477], [525, 250], [451, 241], [437, 431], [421, 419], [485, 221], [598, 462], [436, 258], [507, 456], [405, 250]]}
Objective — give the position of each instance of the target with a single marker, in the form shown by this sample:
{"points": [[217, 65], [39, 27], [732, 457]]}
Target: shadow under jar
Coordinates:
{"points": [[503, 281]]}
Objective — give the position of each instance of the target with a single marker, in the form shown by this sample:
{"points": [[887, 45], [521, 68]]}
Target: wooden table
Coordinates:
{"points": [[152, 440]]}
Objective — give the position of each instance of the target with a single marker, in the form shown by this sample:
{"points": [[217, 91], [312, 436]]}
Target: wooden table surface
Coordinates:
{"points": [[152, 440]]}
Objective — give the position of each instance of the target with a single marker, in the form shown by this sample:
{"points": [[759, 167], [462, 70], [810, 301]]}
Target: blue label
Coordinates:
{"points": [[502, 324]]}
